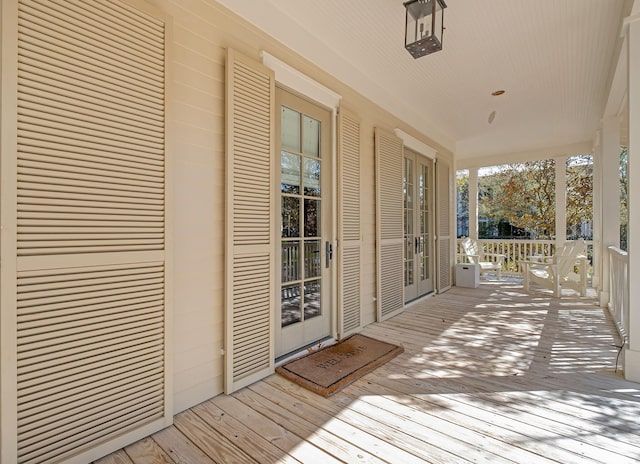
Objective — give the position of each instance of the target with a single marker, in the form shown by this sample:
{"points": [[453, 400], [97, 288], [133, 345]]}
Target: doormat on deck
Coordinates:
{"points": [[332, 368]]}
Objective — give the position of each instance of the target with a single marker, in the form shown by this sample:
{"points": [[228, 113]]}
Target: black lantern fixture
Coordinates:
{"points": [[424, 26]]}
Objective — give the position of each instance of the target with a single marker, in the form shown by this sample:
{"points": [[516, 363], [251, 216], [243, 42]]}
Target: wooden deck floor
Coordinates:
{"points": [[489, 375]]}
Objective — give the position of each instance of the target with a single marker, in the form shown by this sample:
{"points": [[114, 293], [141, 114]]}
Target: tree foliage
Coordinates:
{"points": [[524, 195], [462, 203], [624, 196], [579, 194]]}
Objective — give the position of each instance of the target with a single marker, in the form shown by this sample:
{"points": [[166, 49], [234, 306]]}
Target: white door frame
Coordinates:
{"points": [[416, 289], [424, 150], [289, 77]]}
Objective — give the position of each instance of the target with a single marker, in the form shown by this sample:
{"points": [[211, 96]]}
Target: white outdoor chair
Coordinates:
{"points": [[561, 272], [488, 262]]}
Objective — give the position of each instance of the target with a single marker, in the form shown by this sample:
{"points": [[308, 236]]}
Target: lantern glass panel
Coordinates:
{"points": [[418, 21], [424, 26]]}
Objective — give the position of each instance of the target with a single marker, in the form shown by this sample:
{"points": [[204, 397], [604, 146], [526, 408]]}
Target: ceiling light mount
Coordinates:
{"points": [[424, 26]]}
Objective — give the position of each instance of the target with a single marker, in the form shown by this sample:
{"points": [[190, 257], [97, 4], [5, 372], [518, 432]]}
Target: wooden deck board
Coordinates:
{"points": [[381, 439], [206, 437], [491, 374], [334, 436], [518, 433], [119, 457], [178, 446], [147, 451]]}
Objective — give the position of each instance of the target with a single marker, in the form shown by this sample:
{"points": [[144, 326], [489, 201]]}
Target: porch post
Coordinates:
{"points": [[596, 281], [473, 203], [610, 194], [561, 200], [632, 352]]}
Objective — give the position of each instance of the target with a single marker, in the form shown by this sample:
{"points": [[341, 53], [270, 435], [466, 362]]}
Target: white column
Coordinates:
{"points": [[473, 203], [596, 281], [561, 200], [632, 352], [610, 196]]}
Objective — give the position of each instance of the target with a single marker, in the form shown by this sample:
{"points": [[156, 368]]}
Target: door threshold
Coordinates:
{"points": [[419, 299], [300, 352]]}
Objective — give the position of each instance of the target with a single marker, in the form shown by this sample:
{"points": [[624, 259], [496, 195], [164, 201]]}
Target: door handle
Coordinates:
{"points": [[328, 250], [416, 242]]}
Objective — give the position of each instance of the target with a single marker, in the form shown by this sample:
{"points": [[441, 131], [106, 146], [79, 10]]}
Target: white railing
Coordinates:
{"points": [[619, 289], [518, 250]]}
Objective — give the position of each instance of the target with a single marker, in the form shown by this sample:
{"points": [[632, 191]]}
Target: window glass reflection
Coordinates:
{"points": [[290, 173], [311, 218], [312, 259], [290, 217], [290, 257], [312, 177], [312, 299], [311, 136], [290, 136], [290, 310]]}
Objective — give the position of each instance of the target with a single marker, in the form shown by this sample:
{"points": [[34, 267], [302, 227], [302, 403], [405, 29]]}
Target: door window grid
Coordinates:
{"points": [[418, 195], [301, 217], [424, 222], [408, 187]]}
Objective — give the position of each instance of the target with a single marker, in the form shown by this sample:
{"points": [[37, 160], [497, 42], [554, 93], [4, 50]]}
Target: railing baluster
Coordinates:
{"points": [[618, 283], [516, 251]]}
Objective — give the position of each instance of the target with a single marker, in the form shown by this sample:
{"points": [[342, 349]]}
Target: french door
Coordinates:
{"points": [[418, 195], [303, 143]]}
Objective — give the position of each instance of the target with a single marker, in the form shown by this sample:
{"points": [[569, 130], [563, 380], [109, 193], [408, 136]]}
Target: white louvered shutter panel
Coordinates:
{"points": [[249, 353], [443, 189], [350, 235], [90, 211], [389, 224]]}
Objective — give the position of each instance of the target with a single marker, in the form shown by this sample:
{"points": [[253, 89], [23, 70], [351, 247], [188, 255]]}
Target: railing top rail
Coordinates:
{"points": [[515, 240], [615, 251], [522, 240]]}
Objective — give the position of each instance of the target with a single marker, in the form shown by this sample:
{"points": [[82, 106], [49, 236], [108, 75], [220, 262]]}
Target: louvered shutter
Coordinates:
{"points": [[443, 244], [389, 224], [249, 353], [90, 306], [350, 236]]}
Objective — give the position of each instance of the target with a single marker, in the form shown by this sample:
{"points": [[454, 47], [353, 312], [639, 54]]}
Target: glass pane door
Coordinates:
{"points": [[425, 219], [418, 225], [408, 189], [303, 146]]}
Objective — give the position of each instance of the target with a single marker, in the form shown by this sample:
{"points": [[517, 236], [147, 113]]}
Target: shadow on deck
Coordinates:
{"points": [[492, 375]]}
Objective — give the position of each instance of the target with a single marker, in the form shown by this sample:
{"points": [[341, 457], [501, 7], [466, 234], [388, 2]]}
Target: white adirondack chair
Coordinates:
{"points": [[488, 262], [561, 272]]}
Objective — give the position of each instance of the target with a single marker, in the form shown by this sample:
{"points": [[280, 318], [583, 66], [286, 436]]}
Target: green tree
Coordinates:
{"points": [[624, 196], [462, 202], [579, 194], [523, 194]]}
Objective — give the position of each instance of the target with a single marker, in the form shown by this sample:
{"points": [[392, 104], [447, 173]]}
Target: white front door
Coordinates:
{"points": [[418, 225], [303, 143]]}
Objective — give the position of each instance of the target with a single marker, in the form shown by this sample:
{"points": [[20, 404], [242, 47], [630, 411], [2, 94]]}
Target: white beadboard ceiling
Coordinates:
{"points": [[554, 58]]}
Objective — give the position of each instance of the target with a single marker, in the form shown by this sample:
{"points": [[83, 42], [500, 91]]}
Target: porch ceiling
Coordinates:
{"points": [[554, 59]]}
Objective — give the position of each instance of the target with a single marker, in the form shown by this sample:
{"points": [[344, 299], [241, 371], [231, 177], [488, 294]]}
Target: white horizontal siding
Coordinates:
{"points": [[198, 116]]}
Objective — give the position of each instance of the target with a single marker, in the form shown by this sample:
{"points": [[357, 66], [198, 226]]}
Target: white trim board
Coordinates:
{"points": [[309, 88], [411, 142], [300, 82]]}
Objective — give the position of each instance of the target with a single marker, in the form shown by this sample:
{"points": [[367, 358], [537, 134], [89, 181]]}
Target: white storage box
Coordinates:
{"points": [[467, 275]]}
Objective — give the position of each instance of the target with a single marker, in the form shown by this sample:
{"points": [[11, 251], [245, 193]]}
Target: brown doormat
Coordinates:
{"points": [[332, 368]]}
